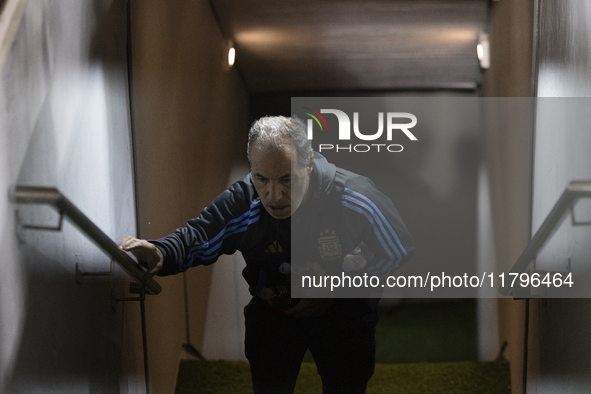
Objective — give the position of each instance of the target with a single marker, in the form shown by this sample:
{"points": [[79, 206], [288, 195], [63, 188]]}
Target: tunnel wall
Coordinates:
{"points": [[64, 123], [191, 126], [562, 143], [507, 157]]}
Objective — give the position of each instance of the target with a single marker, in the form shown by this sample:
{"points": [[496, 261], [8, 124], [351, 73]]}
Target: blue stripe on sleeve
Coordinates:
{"points": [[233, 226], [377, 219], [206, 253], [375, 228], [241, 218], [381, 215]]}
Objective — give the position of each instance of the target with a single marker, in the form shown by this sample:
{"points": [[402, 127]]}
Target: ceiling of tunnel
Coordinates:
{"points": [[328, 45]]}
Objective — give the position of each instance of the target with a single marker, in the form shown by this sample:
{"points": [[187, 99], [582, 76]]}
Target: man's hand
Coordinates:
{"points": [[146, 252], [309, 307]]}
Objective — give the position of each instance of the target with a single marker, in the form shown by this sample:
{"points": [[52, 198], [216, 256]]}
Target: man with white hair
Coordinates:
{"points": [[333, 211]]}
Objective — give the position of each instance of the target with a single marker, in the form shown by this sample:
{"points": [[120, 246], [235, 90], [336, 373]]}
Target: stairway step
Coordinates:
{"points": [[233, 377]]}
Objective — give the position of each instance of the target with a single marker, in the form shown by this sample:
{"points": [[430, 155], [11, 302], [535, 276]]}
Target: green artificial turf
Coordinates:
{"points": [[196, 376], [472, 377], [437, 331], [434, 331], [233, 377], [421, 347]]}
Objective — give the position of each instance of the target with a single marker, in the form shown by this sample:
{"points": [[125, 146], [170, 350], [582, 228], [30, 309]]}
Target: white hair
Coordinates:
{"points": [[272, 131]]}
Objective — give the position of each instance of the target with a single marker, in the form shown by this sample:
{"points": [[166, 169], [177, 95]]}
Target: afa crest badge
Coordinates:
{"points": [[329, 245]]}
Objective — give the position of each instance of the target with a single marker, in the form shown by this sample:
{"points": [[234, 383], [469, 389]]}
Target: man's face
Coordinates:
{"points": [[279, 180]]}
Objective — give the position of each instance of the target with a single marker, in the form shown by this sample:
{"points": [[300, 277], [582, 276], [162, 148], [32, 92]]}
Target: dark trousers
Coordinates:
{"points": [[342, 342]]}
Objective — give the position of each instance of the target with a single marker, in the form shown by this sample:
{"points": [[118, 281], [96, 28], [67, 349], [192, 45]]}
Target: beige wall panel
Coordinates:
{"points": [[191, 120], [507, 142], [507, 152], [511, 37]]}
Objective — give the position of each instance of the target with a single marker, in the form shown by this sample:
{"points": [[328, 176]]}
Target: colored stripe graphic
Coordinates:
{"points": [[321, 117], [316, 119]]}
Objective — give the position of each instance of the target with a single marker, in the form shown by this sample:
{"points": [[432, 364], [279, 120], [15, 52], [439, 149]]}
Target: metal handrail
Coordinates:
{"points": [[52, 196], [573, 192]]}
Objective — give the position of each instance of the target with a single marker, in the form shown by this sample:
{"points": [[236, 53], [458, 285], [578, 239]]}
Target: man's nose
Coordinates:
{"points": [[275, 192]]}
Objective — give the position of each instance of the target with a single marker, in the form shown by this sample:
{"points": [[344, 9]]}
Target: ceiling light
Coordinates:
{"points": [[483, 50], [231, 56]]}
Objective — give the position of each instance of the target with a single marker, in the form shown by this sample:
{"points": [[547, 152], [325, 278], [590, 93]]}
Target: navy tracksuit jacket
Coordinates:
{"points": [[345, 210]]}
